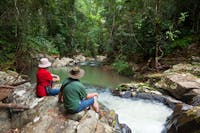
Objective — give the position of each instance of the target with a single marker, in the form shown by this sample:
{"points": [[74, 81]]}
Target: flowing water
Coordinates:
{"points": [[142, 116]]}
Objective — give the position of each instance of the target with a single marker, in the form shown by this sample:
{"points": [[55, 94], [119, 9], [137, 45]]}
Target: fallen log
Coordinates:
{"points": [[13, 106], [7, 87], [19, 83]]}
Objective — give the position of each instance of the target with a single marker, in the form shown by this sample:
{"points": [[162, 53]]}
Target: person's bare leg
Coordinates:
{"points": [[95, 105]]}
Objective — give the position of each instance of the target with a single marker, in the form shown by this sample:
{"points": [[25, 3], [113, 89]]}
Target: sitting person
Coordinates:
{"points": [[45, 79], [74, 93]]}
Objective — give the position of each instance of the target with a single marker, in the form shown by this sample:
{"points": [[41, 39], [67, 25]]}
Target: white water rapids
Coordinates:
{"points": [[142, 116]]}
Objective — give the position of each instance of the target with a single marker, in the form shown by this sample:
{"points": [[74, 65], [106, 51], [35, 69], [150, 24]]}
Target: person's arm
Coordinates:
{"points": [[90, 95]]}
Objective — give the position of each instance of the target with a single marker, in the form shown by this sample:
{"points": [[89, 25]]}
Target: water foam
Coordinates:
{"points": [[142, 116]]}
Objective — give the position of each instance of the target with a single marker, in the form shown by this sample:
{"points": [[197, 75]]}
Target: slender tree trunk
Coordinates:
{"points": [[17, 18], [158, 32], [112, 28]]}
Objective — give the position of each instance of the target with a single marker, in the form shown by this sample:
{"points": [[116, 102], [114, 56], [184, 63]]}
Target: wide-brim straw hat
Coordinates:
{"points": [[76, 73], [44, 63]]}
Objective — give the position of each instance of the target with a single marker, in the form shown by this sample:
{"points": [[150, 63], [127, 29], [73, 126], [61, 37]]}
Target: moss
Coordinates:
{"points": [[112, 118], [138, 86], [191, 112], [142, 86], [194, 114], [198, 120], [114, 122], [195, 64], [122, 88]]}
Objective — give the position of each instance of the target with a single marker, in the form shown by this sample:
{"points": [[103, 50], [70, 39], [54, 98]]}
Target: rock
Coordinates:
{"points": [[76, 117], [167, 100], [196, 101], [185, 68], [153, 78], [62, 62], [10, 77], [4, 120], [182, 86], [185, 119], [79, 58], [133, 94], [126, 94], [195, 58], [100, 58], [143, 91], [125, 128], [88, 124], [103, 128], [126, 90], [47, 115], [89, 59]]}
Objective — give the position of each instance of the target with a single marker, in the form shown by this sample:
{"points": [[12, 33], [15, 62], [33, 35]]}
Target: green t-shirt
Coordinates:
{"points": [[73, 93]]}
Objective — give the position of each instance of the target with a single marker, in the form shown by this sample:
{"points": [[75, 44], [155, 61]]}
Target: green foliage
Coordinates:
{"points": [[122, 67], [172, 35], [41, 44], [60, 44], [94, 27], [183, 16], [181, 43], [178, 44]]}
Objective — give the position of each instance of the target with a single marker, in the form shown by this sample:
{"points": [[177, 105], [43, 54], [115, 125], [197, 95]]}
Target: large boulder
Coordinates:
{"points": [[144, 91], [47, 115], [183, 86], [184, 119], [127, 90], [186, 68]]}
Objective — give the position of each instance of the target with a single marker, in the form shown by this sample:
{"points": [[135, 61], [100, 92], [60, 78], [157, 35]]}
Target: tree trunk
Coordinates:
{"points": [[158, 32]]}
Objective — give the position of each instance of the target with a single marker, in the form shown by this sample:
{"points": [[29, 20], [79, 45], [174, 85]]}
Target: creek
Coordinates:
{"points": [[142, 116]]}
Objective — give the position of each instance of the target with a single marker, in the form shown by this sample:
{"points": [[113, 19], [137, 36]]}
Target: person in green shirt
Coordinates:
{"points": [[74, 95]]}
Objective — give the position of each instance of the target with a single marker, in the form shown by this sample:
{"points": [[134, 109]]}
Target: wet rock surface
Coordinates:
{"points": [[185, 119], [144, 91]]}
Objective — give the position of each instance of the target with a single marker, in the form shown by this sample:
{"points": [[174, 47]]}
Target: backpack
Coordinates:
{"points": [[60, 95]]}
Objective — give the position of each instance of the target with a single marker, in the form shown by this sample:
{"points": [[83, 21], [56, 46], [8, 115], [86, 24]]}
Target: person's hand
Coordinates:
{"points": [[90, 95], [55, 77], [96, 94]]}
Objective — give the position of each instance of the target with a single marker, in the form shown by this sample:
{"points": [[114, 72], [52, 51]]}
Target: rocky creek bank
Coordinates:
{"points": [[47, 115]]}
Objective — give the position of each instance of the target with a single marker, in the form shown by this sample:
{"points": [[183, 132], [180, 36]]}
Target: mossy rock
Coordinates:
{"points": [[185, 119]]}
